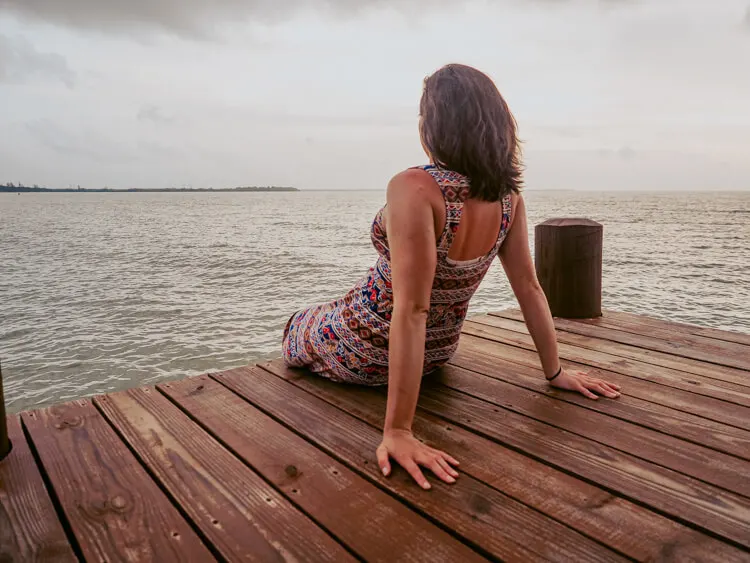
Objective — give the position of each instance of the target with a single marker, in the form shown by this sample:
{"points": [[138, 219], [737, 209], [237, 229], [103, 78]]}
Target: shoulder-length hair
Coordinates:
{"points": [[467, 127]]}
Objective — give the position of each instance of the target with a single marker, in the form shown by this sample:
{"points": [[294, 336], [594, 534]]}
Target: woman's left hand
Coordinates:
{"points": [[582, 383]]}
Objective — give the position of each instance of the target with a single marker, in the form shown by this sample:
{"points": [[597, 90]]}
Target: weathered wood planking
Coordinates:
{"points": [[494, 522], [351, 509], [650, 332], [717, 364], [690, 459], [672, 326], [114, 508], [513, 333], [628, 528], [273, 465], [677, 423], [29, 525], [243, 517]]}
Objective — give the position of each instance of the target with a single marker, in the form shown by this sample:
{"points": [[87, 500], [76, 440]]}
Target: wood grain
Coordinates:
{"points": [[568, 263], [672, 326], [683, 425], [626, 527], [243, 517], [501, 526], [29, 526], [690, 459], [370, 522], [732, 367], [114, 508], [648, 330], [701, 406], [681, 497], [485, 327]]}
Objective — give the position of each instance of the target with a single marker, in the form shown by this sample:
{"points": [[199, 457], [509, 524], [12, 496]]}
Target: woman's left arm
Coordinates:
{"points": [[410, 225]]}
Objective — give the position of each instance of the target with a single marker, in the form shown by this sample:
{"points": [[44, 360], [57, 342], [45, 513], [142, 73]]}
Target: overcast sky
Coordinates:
{"points": [[609, 94]]}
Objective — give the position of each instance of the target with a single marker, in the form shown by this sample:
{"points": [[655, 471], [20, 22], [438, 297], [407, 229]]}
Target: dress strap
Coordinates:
{"points": [[455, 189]]}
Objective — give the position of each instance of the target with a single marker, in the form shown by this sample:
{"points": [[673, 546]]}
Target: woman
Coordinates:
{"points": [[441, 228]]}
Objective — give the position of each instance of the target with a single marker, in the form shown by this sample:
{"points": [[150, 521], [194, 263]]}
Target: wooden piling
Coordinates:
{"points": [[5, 445], [569, 266]]}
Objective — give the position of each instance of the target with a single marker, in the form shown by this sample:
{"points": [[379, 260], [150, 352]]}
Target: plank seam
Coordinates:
{"points": [[567, 525], [573, 432], [708, 362], [613, 370], [234, 453], [613, 492], [193, 525], [50, 489], [481, 551], [611, 415]]}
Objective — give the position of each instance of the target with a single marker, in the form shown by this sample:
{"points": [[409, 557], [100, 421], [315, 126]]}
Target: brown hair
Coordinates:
{"points": [[466, 127]]}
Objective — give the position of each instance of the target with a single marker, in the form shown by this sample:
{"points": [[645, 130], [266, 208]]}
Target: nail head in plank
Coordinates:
{"points": [[371, 523], [114, 508], [629, 528], [242, 516]]}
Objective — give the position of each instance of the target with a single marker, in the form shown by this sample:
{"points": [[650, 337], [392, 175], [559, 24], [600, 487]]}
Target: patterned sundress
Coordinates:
{"points": [[347, 340]]}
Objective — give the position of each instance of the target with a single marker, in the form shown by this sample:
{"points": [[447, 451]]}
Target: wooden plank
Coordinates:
{"points": [[643, 328], [501, 526], [725, 367], [684, 457], [370, 522], [706, 332], [709, 433], [29, 527], [242, 516], [116, 511], [681, 497], [600, 357], [676, 398], [624, 526]]}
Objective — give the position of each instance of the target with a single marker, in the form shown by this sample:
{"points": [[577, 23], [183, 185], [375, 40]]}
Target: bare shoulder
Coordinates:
{"points": [[413, 184]]}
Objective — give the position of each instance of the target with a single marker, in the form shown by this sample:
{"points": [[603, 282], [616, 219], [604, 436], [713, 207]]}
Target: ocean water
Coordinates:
{"points": [[100, 292]]}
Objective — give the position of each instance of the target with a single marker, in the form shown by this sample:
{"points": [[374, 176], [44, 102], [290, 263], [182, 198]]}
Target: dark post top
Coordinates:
{"points": [[5, 445], [568, 256]]}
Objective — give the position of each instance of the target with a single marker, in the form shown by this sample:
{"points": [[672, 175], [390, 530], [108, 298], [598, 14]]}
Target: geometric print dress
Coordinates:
{"points": [[346, 340]]}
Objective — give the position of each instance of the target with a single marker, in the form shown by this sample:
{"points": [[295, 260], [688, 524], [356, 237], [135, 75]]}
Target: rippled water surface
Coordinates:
{"points": [[100, 292]]}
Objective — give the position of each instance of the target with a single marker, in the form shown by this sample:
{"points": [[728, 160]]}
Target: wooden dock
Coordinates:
{"points": [[266, 464]]}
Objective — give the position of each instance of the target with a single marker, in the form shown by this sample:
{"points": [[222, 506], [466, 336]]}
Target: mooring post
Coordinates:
{"points": [[5, 444], [568, 256]]}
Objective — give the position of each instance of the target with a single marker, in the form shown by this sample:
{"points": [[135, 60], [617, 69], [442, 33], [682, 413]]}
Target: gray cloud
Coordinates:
{"points": [[746, 20], [154, 114], [19, 61], [68, 142], [200, 18], [190, 17]]}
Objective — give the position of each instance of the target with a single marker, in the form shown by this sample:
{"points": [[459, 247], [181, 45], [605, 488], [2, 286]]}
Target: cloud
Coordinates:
{"points": [[77, 143], [185, 17], [154, 114], [199, 18], [20, 61], [746, 19]]}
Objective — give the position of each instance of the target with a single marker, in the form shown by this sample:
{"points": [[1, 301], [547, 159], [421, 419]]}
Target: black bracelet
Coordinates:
{"points": [[559, 371]]}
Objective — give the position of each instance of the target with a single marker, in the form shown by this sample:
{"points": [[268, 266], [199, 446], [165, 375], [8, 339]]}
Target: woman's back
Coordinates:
{"points": [[347, 339]]}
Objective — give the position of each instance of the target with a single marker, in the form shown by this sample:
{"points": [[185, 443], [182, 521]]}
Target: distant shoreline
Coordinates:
{"points": [[27, 189]]}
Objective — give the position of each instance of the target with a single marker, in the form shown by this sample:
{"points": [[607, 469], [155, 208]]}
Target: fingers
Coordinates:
{"points": [[586, 393], [446, 466], [383, 462], [416, 473], [601, 387], [449, 459]]}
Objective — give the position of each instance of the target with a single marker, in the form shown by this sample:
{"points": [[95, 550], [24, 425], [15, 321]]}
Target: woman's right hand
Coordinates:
{"points": [[410, 453]]}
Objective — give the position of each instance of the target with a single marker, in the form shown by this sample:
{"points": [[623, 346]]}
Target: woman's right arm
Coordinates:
{"points": [[515, 256]]}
